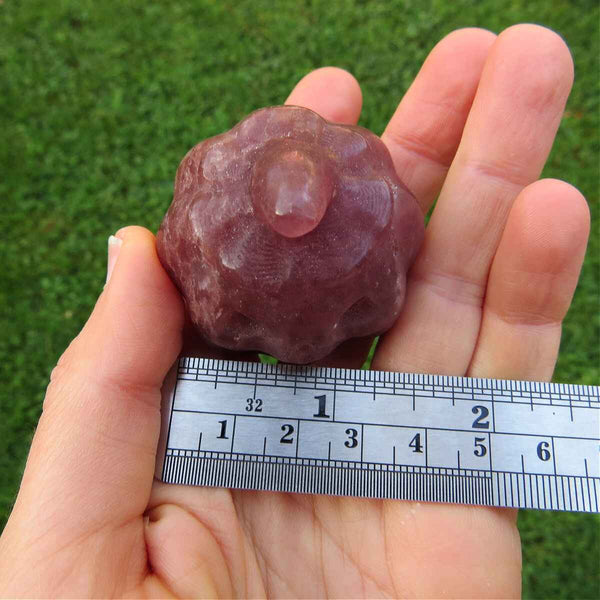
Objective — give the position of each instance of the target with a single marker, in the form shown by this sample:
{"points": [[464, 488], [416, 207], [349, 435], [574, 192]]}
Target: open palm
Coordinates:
{"points": [[486, 297]]}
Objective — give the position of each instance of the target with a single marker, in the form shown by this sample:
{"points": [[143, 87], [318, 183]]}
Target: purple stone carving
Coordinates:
{"points": [[289, 234]]}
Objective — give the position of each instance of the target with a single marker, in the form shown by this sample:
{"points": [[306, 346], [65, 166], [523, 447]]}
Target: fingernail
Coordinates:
{"points": [[114, 247]]}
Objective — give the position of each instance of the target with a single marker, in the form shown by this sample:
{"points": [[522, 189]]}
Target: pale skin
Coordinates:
{"points": [[486, 297]]}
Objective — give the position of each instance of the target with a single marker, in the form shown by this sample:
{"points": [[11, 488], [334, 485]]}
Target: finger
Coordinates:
{"points": [[97, 436], [214, 538], [509, 132], [426, 128], [184, 554], [532, 280], [331, 92], [425, 131]]}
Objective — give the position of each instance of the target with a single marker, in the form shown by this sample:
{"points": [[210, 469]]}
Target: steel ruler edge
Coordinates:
{"points": [[380, 434]]}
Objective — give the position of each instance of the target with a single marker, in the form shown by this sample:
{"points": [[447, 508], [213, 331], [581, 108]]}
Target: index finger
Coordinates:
{"points": [[331, 92], [425, 131]]}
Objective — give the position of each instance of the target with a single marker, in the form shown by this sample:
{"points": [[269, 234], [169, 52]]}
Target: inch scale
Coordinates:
{"points": [[379, 434]]}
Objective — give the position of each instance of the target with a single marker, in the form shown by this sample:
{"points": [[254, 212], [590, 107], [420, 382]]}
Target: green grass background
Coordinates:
{"points": [[100, 100]]}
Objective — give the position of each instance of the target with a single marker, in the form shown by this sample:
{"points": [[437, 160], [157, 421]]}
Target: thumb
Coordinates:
{"points": [[92, 458]]}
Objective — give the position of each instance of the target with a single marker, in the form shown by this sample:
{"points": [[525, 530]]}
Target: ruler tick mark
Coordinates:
{"points": [[571, 408], [334, 397], [362, 439], [233, 432], [587, 478]]}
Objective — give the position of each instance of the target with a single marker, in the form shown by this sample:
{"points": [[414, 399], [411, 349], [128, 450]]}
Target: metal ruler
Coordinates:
{"points": [[378, 434]]}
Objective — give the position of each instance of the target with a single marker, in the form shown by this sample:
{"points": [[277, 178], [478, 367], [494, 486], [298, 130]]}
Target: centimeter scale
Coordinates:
{"points": [[378, 434]]}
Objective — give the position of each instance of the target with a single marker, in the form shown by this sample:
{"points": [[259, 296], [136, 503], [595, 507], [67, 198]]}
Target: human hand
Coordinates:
{"points": [[486, 297]]}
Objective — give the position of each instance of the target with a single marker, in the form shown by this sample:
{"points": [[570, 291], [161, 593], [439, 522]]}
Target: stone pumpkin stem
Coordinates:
{"points": [[291, 187]]}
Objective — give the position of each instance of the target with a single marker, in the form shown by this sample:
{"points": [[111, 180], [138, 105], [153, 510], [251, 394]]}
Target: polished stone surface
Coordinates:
{"points": [[289, 234]]}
